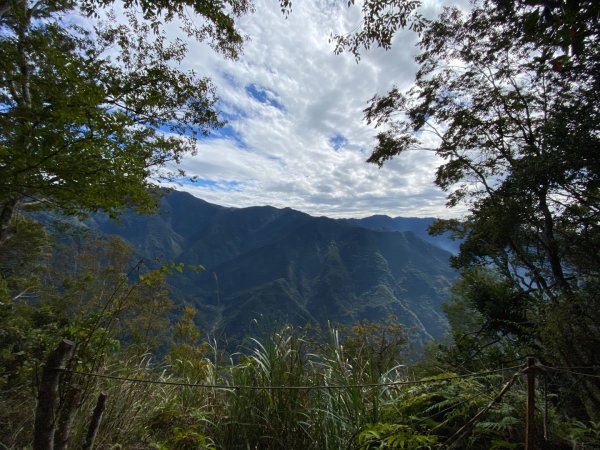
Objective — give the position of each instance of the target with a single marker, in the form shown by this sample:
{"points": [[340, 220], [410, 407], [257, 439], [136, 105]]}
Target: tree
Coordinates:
{"points": [[219, 17], [89, 118], [509, 93], [85, 290], [485, 331], [569, 25]]}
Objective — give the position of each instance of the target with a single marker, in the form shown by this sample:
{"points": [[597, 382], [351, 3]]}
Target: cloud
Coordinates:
{"points": [[296, 135]]}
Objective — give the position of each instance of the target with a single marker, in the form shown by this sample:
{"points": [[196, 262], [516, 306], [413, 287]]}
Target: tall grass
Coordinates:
{"points": [[313, 416], [253, 410], [332, 404]]}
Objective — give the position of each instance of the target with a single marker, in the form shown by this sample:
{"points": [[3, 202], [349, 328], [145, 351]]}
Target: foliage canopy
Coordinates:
{"points": [[90, 117], [508, 94]]}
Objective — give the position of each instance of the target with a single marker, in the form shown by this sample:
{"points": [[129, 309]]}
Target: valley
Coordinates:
{"points": [[283, 266]]}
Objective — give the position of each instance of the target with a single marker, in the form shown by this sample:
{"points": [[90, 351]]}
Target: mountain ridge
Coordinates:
{"points": [[285, 265]]}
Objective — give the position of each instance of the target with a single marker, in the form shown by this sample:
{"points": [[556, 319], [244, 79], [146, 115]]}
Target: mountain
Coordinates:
{"points": [[417, 225], [281, 265]]}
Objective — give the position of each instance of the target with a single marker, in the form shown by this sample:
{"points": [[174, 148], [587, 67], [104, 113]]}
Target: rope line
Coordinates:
{"points": [[570, 367], [450, 408], [424, 419], [306, 387], [567, 370], [453, 440]]}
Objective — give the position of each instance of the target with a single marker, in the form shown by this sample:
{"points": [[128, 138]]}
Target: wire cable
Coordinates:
{"points": [[453, 440], [306, 387], [570, 367], [450, 408], [568, 370], [437, 413]]}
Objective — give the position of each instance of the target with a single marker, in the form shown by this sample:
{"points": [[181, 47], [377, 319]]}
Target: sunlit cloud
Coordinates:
{"points": [[296, 135]]}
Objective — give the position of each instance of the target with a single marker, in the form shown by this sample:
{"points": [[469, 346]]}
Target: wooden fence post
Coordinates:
{"points": [[48, 396], [530, 371], [95, 422], [68, 409]]}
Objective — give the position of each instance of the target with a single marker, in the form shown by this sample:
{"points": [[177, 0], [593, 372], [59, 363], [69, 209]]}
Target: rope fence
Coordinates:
{"points": [[305, 387], [56, 365], [573, 372]]}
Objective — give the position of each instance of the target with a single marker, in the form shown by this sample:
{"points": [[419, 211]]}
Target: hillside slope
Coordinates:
{"points": [[281, 265]]}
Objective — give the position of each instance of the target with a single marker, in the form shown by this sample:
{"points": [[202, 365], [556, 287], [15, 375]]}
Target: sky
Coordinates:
{"points": [[296, 136]]}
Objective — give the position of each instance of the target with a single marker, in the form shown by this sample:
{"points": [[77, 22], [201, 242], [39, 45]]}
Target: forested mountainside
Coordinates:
{"points": [[100, 345], [281, 265], [418, 225]]}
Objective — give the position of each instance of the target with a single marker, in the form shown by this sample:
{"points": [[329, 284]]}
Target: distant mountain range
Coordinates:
{"points": [[417, 225], [281, 265]]}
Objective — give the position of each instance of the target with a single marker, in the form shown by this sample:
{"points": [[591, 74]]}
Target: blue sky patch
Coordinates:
{"points": [[225, 132], [337, 141], [213, 185], [230, 133], [229, 78], [263, 95]]}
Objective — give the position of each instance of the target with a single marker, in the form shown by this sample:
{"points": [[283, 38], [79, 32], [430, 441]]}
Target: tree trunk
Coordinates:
{"points": [[68, 408], [48, 396], [95, 422], [7, 210]]}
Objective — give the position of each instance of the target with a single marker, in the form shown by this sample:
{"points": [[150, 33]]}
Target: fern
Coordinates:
{"points": [[504, 424], [384, 436]]}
